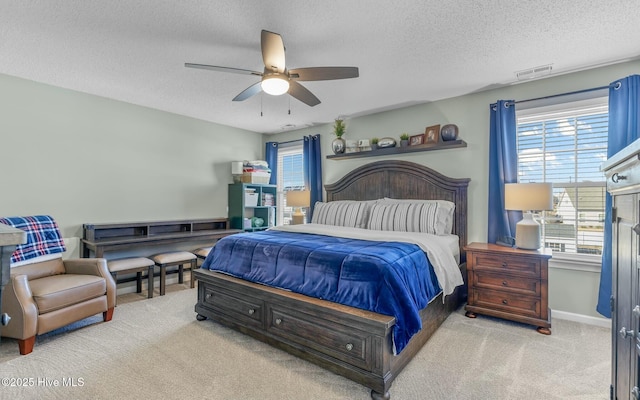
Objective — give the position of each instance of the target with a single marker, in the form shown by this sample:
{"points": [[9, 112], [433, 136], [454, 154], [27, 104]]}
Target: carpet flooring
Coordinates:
{"points": [[156, 349]]}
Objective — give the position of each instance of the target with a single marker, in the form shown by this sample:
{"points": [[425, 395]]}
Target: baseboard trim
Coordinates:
{"points": [[584, 319]]}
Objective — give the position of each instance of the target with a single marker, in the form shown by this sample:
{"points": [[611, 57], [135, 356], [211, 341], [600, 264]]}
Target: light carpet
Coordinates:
{"points": [[156, 349]]}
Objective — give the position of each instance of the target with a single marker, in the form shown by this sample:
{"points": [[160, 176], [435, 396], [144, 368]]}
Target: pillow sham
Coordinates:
{"points": [[445, 212], [350, 213], [426, 216]]}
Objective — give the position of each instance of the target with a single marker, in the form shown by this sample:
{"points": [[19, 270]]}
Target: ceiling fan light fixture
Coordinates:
{"points": [[275, 85]]}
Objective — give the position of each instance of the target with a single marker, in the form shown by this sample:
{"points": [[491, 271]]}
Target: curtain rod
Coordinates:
{"points": [[291, 141], [615, 85], [287, 142]]}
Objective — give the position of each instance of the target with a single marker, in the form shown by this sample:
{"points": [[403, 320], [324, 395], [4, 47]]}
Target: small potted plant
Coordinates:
{"points": [[404, 140], [374, 143], [338, 144]]}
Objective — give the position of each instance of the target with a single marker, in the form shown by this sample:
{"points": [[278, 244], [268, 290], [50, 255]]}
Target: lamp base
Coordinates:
{"points": [[528, 233], [297, 218]]}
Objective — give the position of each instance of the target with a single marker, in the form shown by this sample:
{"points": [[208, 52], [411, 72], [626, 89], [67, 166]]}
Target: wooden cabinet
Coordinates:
{"points": [[248, 200], [623, 183], [509, 283]]}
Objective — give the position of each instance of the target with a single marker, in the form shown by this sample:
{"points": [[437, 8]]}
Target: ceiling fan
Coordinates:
{"points": [[277, 79]]}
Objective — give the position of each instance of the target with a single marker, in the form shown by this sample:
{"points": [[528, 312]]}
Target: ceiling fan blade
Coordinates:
{"points": [[272, 51], [223, 69], [303, 94], [323, 73], [248, 92]]}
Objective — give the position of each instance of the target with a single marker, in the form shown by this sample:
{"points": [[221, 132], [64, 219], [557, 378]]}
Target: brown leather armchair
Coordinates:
{"points": [[47, 295]]}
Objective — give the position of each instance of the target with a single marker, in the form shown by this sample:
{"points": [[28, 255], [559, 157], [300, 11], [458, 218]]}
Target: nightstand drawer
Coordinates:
{"points": [[508, 302], [507, 283], [522, 266]]}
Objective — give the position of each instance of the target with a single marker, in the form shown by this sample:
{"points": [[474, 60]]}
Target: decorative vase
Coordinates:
{"points": [[374, 146], [404, 143], [449, 132], [338, 145]]}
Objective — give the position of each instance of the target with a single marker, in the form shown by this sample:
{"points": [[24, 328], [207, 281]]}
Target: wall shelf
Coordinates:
{"points": [[400, 150]]}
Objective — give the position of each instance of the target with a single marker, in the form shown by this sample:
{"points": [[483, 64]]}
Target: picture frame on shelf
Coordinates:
{"points": [[432, 134], [415, 140]]}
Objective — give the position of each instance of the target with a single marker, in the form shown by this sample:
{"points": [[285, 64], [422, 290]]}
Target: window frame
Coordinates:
{"points": [[291, 148], [572, 106]]}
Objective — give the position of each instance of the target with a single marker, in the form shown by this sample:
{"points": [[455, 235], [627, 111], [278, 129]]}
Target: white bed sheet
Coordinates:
{"points": [[439, 249]]}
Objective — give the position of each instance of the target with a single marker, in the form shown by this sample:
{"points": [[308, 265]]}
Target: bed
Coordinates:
{"points": [[349, 341]]}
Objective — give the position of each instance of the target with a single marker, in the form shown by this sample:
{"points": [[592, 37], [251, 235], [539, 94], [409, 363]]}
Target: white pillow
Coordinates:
{"points": [[440, 223], [354, 214]]}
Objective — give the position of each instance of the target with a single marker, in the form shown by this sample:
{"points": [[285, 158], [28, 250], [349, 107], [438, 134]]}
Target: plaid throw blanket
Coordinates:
{"points": [[43, 237]]}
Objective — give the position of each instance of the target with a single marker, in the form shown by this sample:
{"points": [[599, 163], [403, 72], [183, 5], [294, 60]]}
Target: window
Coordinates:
{"points": [[290, 177], [566, 145]]}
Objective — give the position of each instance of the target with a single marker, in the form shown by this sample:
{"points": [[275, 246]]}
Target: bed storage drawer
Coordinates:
{"points": [[243, 308], [327, 337]]}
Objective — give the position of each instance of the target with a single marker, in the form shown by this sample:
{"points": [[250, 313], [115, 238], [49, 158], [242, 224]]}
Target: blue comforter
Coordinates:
{"points": [[390, 278]]}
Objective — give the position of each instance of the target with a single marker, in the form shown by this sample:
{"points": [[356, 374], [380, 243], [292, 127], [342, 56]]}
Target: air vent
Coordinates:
{"points": [[535, 72]]}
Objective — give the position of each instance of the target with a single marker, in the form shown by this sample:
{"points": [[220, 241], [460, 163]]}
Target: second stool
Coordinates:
{"points": [[179, 258]]}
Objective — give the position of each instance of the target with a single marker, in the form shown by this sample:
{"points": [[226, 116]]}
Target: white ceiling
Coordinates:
{"points": [[408, 51]]}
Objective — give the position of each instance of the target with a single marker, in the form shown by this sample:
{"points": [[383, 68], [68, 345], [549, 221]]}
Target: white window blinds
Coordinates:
{"points": [[566, 145], [290, 177]]}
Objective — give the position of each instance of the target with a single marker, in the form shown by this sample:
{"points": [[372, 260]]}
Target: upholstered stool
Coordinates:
{"points": [[137, 265], [174, 258], [201, 253]]}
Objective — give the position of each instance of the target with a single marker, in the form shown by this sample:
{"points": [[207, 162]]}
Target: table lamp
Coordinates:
{"points": [[236, 171], [527, 197], [298, 199]]}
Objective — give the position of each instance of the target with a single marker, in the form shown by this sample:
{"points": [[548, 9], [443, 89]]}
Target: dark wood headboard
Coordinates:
{"points": [[404, 180]]}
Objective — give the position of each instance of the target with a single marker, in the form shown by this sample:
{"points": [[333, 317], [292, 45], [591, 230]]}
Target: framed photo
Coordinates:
{"points": [[432, 134], [416, 140]]}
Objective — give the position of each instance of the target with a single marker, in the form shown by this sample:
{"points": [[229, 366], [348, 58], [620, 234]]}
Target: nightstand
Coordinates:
{"points": [[509, 283]]}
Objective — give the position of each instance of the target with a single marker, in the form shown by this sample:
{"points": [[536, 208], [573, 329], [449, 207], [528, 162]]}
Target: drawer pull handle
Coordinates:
{"points": [[349, 346], [208, 296], [504, 283], [624, 333], [504, 301], [635, 392], [636, 311], [251, 311], [278, 321], [617, 177]]}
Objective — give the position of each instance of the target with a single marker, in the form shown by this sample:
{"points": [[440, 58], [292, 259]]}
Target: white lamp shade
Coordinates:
{"points": [[274, 85], [528, 196], [236, 167], [298, 198]]}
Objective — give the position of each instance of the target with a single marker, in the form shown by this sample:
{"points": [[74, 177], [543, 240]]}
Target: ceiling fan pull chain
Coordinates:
{"points": [[261, 97], [289, 105]]}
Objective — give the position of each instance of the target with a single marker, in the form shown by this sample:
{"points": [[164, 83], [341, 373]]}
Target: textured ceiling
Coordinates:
{"points": [[407, 51]]}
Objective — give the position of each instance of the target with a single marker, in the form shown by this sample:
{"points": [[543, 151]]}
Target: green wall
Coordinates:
{"points": [[571, 291], [83, 158]]}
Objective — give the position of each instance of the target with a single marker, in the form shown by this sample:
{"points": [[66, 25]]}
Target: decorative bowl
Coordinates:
{"points": [[386, 142]]}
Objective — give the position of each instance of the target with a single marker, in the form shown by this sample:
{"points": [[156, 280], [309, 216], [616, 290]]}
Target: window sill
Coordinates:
{"points": [[576, 262]]}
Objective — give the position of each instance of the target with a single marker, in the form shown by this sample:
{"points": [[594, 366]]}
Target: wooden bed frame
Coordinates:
{"points": [[348, 341]]}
